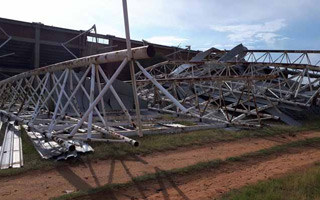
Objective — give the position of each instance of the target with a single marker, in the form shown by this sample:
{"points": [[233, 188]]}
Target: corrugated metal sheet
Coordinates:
{"points": [[51, 149], [11, 155]]}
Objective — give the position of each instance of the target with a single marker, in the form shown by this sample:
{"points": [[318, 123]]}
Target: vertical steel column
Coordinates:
{"points": [[131, 63], [97, 67], [92, 86], [37, 46]]}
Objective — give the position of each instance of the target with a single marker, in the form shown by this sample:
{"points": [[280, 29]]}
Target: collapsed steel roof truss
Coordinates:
{"points": [[251, 81]]}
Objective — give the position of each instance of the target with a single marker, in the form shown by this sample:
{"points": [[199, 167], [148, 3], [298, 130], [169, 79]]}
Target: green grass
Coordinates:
{"points": [[276, 149], [186, 123], [164, 142], [195, 168], [297, 186], [152, 143]]}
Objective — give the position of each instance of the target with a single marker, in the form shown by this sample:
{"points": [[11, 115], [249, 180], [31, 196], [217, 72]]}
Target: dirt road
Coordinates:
{"points": [[213, 183], [43, 185]]}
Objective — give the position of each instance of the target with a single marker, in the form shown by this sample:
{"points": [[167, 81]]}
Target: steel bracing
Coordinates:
{"points": [[74, 100], [51, 101], [239, 86]]}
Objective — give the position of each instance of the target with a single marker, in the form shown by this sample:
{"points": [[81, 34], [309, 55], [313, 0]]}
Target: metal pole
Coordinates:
{"points": [[131, 63], [115, 56], [93, 71]]}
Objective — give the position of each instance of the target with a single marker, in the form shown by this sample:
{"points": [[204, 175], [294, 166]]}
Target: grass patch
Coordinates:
{"points": [[164, 142], [168, 117], [275, 149], [296, 186], [195, 168], [186, 123]]}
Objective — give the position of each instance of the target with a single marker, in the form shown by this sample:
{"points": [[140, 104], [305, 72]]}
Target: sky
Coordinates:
{"points": [[258, 24]]}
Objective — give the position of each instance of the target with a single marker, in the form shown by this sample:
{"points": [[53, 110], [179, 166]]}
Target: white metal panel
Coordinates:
{"points": [[11, 153]]}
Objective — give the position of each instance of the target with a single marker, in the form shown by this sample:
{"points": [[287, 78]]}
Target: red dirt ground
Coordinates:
{"points": [[213, 183], [47, 184]]}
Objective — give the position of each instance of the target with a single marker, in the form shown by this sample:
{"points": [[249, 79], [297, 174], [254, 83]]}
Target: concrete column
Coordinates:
{"points": [[37, 46]]}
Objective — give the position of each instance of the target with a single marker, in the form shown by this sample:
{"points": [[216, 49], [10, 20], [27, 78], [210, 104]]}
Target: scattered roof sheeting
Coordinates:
{"points": [[11, 155]]}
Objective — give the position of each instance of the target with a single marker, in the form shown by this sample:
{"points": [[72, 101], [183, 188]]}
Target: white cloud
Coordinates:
{"points": [[251, 33], [80, 14], [167, 40], [224, 46], [268, 37], [167, 17]]}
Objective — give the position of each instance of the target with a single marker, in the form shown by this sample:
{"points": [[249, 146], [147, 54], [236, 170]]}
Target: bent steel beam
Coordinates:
{"points": [[110, 57]]}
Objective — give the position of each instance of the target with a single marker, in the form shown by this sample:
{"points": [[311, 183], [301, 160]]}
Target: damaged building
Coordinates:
{"points": [[69, 88], [25, 46]]}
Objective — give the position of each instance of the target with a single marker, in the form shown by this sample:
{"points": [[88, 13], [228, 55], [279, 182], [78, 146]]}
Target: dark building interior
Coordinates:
{"points": [[25, 46]]}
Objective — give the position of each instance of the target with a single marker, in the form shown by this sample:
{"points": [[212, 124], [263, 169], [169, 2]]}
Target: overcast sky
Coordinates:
{"points": [[258, 24]]}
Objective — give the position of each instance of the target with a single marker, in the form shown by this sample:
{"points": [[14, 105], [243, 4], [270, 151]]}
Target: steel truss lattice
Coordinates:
{"points": [[240, 86]]}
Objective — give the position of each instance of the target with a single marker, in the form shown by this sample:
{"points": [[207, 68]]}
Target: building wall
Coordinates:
{"points": [[34, 45]]}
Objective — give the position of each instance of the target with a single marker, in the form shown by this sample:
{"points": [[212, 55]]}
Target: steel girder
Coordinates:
{"points": [[47, 99]]}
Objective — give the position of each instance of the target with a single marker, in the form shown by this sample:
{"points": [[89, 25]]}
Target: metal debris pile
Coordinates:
{"points": [[61, 107], [237, 87], [11, 155], [65, 105]]}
